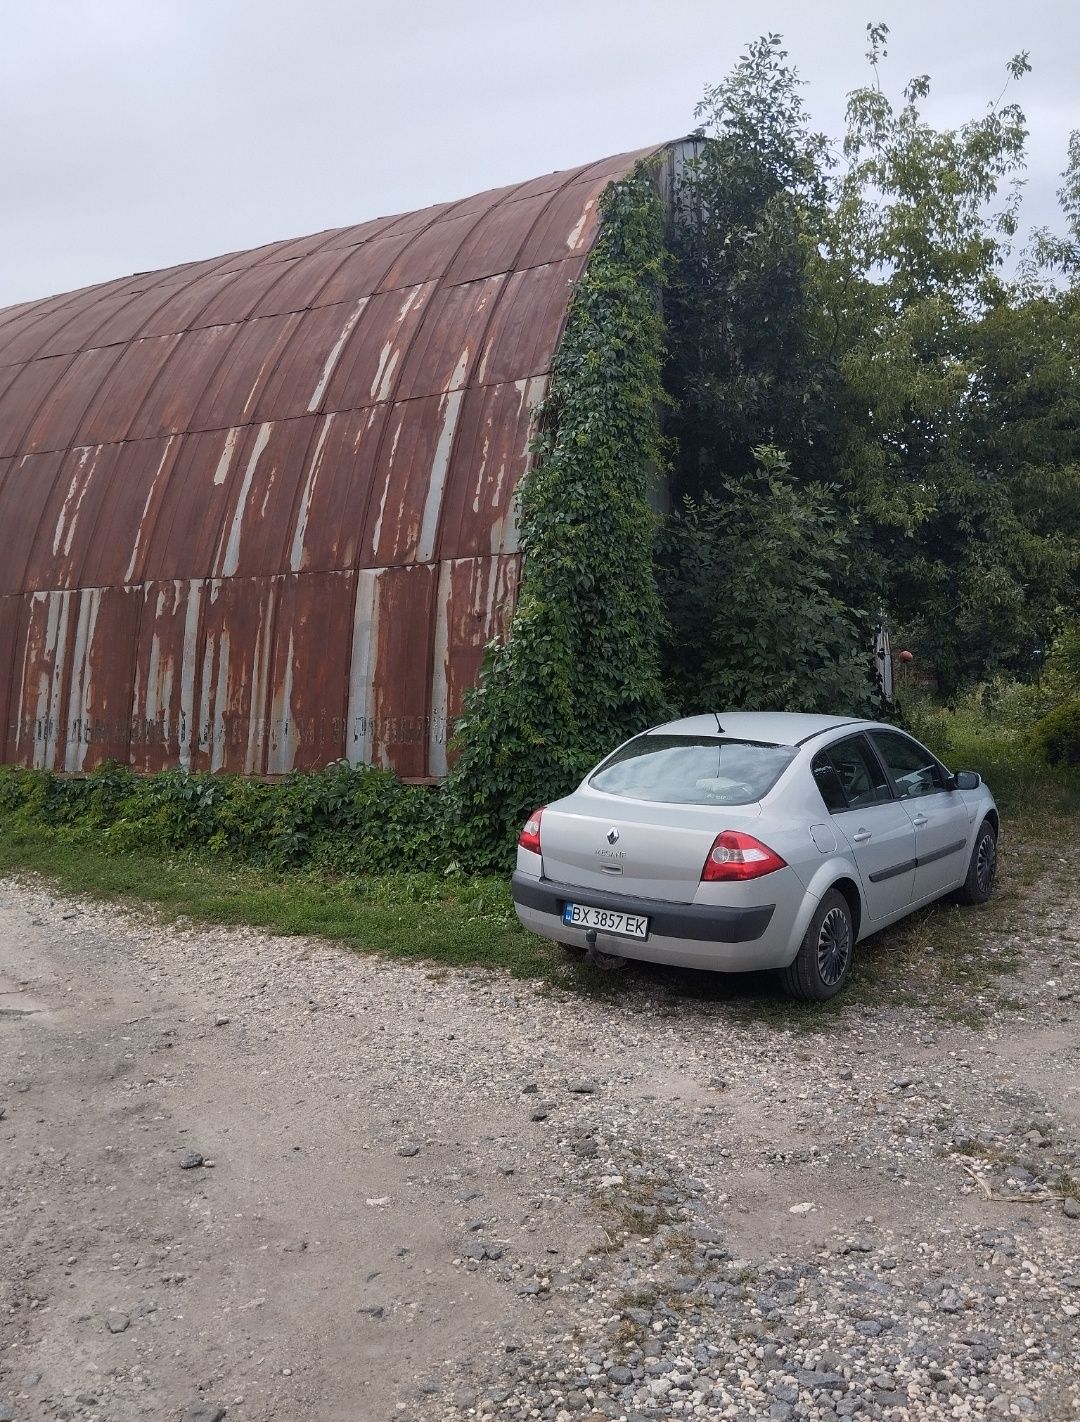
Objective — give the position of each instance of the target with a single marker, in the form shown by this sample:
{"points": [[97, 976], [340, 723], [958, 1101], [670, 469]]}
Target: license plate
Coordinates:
{"points": [[628, 925]]}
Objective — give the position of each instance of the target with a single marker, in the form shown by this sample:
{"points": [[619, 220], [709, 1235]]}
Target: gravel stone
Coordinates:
{"points": [[648, 1265]]}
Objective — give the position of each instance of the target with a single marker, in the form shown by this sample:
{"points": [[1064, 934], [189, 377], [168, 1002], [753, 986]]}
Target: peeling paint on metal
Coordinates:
{"points": [[330, 364], [232, 546], [129, 571], [296, 553], [437, 481], [221, 473], [281, 486], [362, 656], [64, 531], [79, 692]]}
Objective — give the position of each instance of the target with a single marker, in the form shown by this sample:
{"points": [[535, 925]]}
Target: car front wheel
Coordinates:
{"points": [[822, 965], [979, 884]]}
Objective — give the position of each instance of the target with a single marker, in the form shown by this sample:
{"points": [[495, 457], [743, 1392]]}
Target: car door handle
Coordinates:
{"points": [[861, 836], [919, 820]]}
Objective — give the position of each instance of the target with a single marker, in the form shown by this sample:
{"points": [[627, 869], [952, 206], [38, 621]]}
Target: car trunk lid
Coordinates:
{"points": [[645, 850]]}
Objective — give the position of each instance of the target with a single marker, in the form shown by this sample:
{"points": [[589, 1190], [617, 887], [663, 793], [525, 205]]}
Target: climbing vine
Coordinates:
{"points": [[579, 669]]}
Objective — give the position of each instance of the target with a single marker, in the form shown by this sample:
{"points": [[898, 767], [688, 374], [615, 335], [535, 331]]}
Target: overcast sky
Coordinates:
{"points": [[140, 133]]}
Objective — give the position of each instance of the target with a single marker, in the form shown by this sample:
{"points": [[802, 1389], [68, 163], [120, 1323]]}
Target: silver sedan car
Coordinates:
{"points": [[746, 840]]}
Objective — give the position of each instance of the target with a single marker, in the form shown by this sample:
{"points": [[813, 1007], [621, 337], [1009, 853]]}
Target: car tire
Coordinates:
{"points": [[822, 965], [979, 884]]}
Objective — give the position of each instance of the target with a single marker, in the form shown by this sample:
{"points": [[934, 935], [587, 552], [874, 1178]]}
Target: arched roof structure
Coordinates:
{"points": [[256, 513]]}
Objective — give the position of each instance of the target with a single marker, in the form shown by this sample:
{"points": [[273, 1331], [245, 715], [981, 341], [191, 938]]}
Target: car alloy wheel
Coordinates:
{"points": [[833, 946], [986, 862]]}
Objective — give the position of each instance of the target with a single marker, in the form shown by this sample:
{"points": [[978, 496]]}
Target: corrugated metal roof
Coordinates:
{"points": [[258, 511]]}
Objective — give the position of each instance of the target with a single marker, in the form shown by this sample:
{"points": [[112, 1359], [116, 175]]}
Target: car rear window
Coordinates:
{"points": [[693, 770]]}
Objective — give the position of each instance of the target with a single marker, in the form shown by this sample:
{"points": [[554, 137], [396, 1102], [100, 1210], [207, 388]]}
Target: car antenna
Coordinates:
{"points": [[718, 725]]}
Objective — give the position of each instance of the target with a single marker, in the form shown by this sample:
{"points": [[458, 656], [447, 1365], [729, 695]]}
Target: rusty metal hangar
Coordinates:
{"points": [[256, 513]]}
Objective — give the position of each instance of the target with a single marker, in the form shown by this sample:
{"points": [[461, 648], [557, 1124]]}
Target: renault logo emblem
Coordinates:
{"points": [[612, 835]]}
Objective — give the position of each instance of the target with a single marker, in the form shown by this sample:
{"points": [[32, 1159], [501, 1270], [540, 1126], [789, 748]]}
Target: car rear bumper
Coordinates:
{"points": [[711, 936]]}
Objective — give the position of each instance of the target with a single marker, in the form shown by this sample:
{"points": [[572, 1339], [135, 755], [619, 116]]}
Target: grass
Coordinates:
{"points": [[455, 924], [953, 961]]}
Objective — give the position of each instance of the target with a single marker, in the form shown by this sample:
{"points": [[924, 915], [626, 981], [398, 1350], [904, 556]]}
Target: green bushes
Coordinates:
{"points": [[343, 820], [1056, 737]]}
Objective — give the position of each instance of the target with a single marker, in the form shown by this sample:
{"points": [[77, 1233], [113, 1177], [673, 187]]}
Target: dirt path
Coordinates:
{"points": [[435, 1196]]}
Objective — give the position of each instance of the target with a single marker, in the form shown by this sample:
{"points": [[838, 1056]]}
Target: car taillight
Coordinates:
{"points": [[529, 838], [738, 856]]}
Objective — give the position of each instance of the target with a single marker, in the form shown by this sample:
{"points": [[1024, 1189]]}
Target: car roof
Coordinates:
{"points": [[784, 728]]}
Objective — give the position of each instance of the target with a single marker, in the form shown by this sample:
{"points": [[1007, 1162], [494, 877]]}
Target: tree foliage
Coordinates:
{"points": [[852, 304], [748, 578]]}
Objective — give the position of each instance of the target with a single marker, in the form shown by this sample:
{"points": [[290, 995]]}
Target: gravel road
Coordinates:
{"points": [[258, 1178]]}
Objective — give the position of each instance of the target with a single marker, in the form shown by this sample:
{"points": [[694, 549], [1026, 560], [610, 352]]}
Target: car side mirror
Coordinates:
{"points": [[966, 780]]}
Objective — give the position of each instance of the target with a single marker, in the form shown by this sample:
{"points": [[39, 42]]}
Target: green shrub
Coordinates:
{"points": [[1056, 737], [347, 820]]}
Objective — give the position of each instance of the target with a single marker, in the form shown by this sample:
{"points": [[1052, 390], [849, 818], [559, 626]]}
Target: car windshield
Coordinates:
{"points": [[693, 770]]}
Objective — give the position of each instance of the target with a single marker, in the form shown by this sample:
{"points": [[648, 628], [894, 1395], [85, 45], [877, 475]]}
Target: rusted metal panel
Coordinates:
{"points": [[24, 396], [300, 379], [25, 491], [23, 340], [41, 667], [367, 370], [337, 487], [192, 506], [490, 455], [567, 226], [116, 405], [102, 661], [232, 728], [237, 298], [402, 526], [528, 322], [81, 331], [287, 249], [390, 684], [262, 496], [444, 352], [69, 706], [309, 677], [63, 409], [186, 376], [65, 526], [165, 311], [10, 616], [497, 240], [430, 252], [362, 269], [168, 658], [260, 510], [253, 354], [133, 484], [393, 225], [300, 284], [475, 598]]}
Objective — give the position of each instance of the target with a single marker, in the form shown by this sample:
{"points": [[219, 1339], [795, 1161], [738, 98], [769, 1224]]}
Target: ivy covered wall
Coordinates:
{"points": [[579, 670]]}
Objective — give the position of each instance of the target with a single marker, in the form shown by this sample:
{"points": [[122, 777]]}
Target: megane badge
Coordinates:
{"points": [[612, 835]]}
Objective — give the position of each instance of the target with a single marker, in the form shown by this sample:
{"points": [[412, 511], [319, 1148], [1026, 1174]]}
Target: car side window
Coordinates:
{"points": [[849, 776], [912, 769]]}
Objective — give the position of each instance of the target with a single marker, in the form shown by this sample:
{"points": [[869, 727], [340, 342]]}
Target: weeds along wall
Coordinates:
{"points": [[577, 673]]}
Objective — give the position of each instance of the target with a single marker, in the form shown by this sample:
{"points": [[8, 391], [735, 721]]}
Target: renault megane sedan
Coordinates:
{"points": [[747, 840]]}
